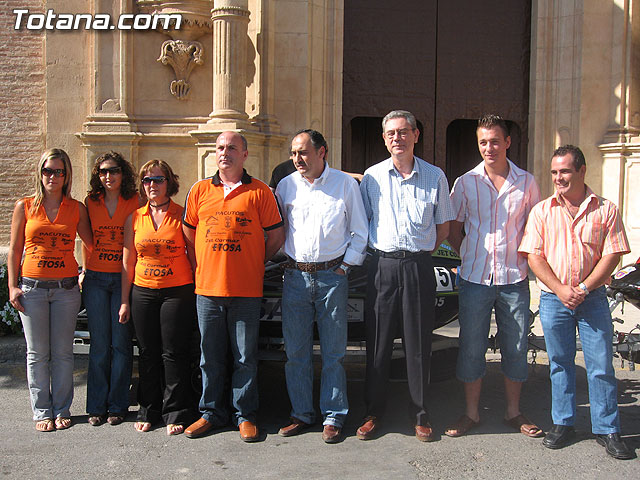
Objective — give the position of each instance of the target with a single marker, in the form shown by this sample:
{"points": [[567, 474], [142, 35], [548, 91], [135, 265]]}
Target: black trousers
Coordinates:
{"points": [[164, 321], [400, 299]]}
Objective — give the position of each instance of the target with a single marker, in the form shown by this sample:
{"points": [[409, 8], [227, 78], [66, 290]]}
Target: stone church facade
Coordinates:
{"points": [[560, 71]]}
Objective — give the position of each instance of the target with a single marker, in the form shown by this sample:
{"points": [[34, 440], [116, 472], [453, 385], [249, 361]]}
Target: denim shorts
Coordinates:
{"points": [[511, 303]]}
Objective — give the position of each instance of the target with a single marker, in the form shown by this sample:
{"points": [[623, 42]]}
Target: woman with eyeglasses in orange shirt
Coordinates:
{"points": [[162, 305]]}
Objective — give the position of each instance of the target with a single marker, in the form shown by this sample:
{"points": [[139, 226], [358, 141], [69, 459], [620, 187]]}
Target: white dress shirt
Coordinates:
{"points": [[494, 224], [324, 219], [403, 212]]}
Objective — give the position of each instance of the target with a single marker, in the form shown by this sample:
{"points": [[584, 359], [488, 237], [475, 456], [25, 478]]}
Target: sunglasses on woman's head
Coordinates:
{"points": [[56, 172], [158, 180]]}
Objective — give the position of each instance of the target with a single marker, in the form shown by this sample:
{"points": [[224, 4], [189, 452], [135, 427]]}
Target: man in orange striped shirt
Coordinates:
{"points": [[574, 239]]}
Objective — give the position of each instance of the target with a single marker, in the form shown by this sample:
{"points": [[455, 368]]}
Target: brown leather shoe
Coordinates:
{"points": [[198, 428], [367, 429], [294, 428], [424, 433], [248, 431], [331, 434]]}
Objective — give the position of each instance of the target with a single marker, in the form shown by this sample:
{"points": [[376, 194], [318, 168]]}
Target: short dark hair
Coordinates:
{"points": [[128, 186], [491, 120], [172, 179], [317, 139], [576, 154]]}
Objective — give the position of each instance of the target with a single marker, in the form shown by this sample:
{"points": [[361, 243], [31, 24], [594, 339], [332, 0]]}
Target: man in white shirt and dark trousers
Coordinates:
{"points": [[492, 202], [326, 234], [407, 203]]}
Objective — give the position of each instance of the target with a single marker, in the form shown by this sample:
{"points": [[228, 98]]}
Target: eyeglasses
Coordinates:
{"points": [[53, 172], [158, 180], [402, 133], [112, 170]]}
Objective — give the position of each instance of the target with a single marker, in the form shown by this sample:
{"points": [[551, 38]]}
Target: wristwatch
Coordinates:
{"points": [[345, 268], [584, 288]]}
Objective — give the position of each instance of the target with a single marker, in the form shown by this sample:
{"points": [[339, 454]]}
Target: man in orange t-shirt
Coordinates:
{"points": [[226, 219]]}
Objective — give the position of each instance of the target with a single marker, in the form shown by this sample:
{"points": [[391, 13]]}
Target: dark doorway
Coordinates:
{"points": [[443, 60], [462, 147]]}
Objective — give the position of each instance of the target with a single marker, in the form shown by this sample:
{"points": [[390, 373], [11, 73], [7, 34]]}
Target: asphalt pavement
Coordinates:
{"points": [[492, 450]]}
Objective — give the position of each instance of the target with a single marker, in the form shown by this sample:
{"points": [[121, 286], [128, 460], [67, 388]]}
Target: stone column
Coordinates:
{"points": [[230, 24], [230, 79]]}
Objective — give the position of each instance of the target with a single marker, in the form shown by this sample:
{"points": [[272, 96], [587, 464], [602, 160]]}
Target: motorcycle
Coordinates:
{"points": [[625, 287]]}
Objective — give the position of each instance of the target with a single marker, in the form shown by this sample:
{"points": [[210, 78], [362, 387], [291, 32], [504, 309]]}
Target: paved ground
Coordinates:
{"points": [[492, 451]]}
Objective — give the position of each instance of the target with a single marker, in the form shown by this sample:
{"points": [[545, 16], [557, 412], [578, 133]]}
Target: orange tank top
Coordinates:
{"points": [[108, 233], [48, 247], [161, 254]]}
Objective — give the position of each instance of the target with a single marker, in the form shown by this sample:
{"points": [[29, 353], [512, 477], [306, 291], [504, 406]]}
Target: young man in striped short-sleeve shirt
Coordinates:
{"points": [[492, 203]]}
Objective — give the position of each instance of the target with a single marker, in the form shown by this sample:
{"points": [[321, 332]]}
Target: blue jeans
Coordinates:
{"points": [[49, 320], [511, 303], [593, 320], [321, 296], [111, 353], [229, 322]]}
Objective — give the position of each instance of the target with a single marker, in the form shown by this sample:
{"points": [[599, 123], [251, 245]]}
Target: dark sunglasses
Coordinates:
{"points": [[112, 170], [158, 180], [55, 172]]}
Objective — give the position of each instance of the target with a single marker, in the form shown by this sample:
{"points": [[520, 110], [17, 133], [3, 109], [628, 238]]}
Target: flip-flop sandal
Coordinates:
{"points": [[461, 427], [96, 420], [62, 423], [522, 424], [115, 419], [45, 425], [175, 429], [142, 426]]}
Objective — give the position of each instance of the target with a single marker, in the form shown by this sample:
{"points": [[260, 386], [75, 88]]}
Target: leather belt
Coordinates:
{"points": [[311, 267], [398, 253], [67, 283]]}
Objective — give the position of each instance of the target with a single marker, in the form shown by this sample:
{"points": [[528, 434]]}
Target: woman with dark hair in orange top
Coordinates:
{"points": [[44, 288], [157, 263], [112, 198]]}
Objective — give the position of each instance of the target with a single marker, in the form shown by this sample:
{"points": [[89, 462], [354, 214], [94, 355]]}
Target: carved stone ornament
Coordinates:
{"points": [[183, 57]]}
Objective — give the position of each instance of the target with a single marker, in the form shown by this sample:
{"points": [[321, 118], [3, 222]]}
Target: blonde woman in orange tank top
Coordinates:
{"points": [[112, 197], [158, 293], [44, 287]]}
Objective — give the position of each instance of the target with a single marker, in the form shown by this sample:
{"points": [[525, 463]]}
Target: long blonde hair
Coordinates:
{"points": [[66, 187]]}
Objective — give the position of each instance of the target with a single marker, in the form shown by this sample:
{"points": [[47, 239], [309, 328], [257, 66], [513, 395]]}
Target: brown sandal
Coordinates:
{"points": [[96, 420], [45, 425], [461, 427], [62, 423], [522, 424]]}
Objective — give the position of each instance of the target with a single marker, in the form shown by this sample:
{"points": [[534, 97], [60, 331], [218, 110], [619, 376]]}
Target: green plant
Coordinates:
{"points": [[9, 316]]}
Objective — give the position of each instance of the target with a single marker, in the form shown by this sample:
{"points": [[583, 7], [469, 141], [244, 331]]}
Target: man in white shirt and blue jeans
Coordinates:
{"points": [[492, 202], [326, 234]]}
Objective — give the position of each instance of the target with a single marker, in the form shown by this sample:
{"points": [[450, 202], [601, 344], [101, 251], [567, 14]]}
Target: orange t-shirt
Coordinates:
{"points": [[229, 239], [49, 246], [161, 254], [108, 233]]}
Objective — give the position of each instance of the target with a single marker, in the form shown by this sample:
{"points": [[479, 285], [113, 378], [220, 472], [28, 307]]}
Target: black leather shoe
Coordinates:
{"points": [[559, 436], [615, 446]]}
